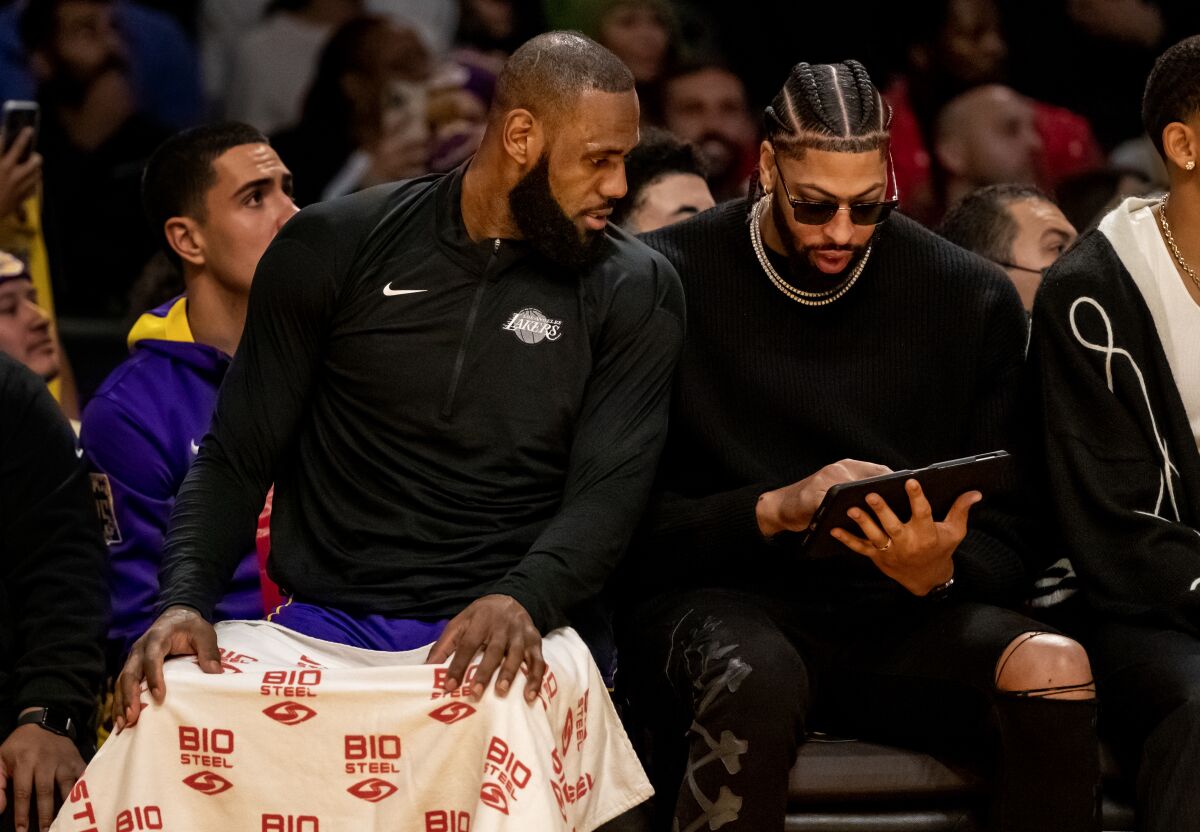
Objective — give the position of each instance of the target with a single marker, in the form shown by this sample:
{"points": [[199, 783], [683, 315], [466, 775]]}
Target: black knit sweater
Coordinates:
{"points": [[919, 362]]}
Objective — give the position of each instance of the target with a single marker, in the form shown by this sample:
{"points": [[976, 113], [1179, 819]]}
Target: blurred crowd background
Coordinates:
{"points": [[360, 92]]}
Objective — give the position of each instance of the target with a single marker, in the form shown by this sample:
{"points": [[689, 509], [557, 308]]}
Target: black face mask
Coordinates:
{"points": [[804, 273], [542, 222]]}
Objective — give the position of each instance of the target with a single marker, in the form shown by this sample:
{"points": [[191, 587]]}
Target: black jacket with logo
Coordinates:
{"points": [[442, 418]]}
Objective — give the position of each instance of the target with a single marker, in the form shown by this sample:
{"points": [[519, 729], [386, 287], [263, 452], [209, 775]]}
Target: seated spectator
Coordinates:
{"points": [[95, 140], [665, 177], [705, 104], [643, 34], [21, 236], [55, 606], [365, 119], [274, 62], [25, 331], [986, 136], [163, 64], [489, 30], [217, 194], [864, 344], [1015, 226], [950, 47], [1116, 382]]}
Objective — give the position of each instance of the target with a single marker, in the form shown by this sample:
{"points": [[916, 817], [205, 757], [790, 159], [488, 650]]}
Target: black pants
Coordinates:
{"points": [[722, 687], [1149, 684]]}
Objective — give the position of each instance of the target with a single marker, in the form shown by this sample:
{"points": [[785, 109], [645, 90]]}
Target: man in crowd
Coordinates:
{"points": [[25, 331], [218, 195], [986, 136], [705, 103], [1015, 226], [666, 184], [55, 606], [95, 140], [459, 387], [1114, 370], [827, 328]]}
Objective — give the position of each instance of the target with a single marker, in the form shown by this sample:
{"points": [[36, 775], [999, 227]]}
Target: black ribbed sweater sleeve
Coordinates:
{"points": [[51, 554]]}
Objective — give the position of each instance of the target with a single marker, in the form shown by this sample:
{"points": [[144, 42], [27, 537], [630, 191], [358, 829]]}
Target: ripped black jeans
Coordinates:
{"points": [[721, 687]]}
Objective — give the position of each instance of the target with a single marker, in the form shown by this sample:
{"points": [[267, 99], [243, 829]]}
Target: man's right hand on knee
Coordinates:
{"points": [[179, 631]]}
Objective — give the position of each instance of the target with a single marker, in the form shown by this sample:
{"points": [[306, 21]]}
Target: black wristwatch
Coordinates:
{"points": [[54, 720]]}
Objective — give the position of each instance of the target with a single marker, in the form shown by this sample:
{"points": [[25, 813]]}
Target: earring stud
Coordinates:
{"points": [[1191, 165]]}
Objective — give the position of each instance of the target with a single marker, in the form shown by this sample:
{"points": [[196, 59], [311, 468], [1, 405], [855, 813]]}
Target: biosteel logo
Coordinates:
{"points": [[206, 782], [373, 790], [452, 712], [290, 713], [290, 684]]}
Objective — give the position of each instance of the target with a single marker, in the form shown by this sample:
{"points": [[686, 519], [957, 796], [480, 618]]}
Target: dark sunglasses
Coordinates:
{"points": [[819, 213]]}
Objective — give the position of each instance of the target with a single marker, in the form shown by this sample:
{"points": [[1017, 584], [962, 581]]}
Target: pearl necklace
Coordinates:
{"points": [[1166, 227], [799, 295]]}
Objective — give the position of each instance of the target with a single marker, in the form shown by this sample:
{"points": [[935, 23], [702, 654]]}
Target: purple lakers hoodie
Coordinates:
{"points": [[141, 432]]}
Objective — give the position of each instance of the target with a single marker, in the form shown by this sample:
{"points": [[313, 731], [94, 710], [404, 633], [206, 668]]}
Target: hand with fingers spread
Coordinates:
{"points": [[500, 626], [918, 554], [35, 761], [18, 180], [790, 509], [179, 631]]}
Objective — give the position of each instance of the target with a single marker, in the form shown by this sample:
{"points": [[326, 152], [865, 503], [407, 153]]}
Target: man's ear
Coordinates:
{"points": [[524, 137], [186, 239], [1180, 144], [766, 166]]}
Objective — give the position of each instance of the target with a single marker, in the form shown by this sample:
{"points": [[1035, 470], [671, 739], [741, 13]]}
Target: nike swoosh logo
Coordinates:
{"points": [[195, 448], [390, 292]]}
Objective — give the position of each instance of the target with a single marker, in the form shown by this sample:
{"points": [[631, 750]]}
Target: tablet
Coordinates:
{"points": [[942, 483]]}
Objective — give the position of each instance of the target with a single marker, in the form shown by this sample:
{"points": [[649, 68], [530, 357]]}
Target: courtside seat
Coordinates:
{"points": [[840, 785]]}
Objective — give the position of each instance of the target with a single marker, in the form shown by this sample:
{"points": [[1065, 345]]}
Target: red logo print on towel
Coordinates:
{"points": [[205, 747], [290, 823], [86, 813], [439, 683], [372, 754], [443, 821], [207, 782], [290, 713], [564, 792], [549, 689], [452, 712], [290, 684], [305, 661], [373, 790], [490, 794], [139, 818], [506, 774]]}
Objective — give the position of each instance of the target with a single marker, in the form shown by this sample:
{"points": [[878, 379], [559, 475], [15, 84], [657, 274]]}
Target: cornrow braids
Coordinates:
{"points": [[831, 107], [1172, 90]]}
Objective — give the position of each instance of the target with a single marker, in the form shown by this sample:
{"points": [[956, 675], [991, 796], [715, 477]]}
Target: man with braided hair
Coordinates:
{"points": [[830, 340]]}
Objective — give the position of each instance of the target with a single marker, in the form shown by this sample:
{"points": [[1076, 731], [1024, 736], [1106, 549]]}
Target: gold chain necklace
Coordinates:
{"points": [[1166, 227], [799, 295]]}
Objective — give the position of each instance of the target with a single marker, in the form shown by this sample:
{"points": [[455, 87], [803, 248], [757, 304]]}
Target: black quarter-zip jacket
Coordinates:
{"points": [[441, 418]]}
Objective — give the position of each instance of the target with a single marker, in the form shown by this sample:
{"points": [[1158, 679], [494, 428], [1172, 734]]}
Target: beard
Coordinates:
{"points": [[806, 275], [542, 222]]}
